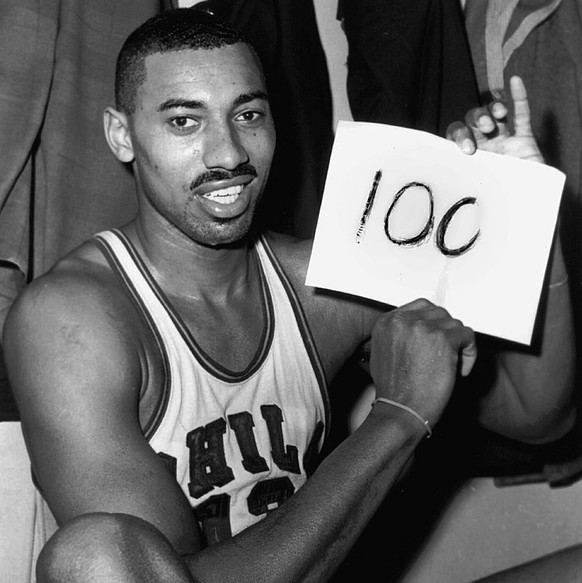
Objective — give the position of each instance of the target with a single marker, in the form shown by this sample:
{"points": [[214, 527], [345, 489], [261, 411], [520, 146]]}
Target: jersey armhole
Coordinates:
{"points": [[150, 425], [306, 334]]}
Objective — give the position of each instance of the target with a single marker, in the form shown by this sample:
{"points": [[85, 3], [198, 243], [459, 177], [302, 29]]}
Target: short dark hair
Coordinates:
{"points": [[172, 30]]}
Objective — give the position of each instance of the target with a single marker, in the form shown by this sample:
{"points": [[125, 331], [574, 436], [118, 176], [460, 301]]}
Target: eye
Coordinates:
{"points": [[183, 122], [249, 116]]}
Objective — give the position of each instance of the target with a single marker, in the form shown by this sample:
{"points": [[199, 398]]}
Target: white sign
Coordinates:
{"points": [[405, 214]]}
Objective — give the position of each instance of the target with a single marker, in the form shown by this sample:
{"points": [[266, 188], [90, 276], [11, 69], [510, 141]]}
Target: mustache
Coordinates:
{"points": [[214, 175]]}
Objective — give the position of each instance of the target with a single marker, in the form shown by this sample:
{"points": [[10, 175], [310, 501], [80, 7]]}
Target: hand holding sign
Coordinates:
{"points": [[406, 214]]}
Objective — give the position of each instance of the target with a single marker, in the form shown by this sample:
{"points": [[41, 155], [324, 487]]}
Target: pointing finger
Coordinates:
{"points": [[521, 107]]}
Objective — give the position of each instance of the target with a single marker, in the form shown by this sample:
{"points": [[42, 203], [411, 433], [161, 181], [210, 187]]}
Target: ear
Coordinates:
{"points": [[117, 134]]}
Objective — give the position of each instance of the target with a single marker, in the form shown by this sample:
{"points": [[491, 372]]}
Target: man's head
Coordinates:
{"points": [[194, 120], [173, 30]]}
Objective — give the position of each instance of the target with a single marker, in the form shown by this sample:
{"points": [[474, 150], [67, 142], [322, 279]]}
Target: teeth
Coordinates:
{"points": [[225, 195]]}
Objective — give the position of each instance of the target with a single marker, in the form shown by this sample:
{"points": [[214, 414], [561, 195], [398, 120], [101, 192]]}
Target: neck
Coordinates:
{"points": [[185, 268]]}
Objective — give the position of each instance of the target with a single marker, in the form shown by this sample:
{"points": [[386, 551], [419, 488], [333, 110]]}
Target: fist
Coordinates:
{"points": [[417, 351]]}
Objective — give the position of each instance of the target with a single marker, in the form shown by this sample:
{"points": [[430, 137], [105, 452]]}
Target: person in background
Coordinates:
{"points": [[58, 185], [409, 63], [541, 41], [421, 65]]}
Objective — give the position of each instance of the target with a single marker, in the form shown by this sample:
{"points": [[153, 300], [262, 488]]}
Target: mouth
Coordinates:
{"points": [[226, 199], [225, 195]]}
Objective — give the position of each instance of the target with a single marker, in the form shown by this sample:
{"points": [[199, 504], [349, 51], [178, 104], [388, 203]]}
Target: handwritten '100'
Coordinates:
{"points": [[426, 230]]}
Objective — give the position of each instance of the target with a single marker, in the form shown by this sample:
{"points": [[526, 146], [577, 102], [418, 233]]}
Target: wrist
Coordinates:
{"points": [[400, 420], [409, 410]]}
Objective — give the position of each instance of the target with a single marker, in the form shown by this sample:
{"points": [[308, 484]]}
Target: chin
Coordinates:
{"points": [[231, 233]]}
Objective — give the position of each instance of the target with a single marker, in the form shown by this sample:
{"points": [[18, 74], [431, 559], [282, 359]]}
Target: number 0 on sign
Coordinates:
{"points": [[406, 214]]}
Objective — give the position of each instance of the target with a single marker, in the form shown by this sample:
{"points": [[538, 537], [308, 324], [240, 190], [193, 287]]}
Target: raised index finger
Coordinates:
{"points": [[521, 111]]}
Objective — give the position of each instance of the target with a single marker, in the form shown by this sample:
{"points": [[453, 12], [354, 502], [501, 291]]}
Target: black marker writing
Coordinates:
{"points": [[426, 230], [429, 223], [369, 204], [444, 224]]}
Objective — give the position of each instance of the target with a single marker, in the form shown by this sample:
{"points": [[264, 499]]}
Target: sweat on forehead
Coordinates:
{"points": [[173, 30]]}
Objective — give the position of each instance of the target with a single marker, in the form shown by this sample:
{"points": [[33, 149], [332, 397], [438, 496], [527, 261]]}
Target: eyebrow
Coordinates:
{"points": [[177, 103], [248, 97], [196, 104]]}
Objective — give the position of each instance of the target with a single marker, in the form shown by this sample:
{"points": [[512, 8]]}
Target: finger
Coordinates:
{"points": [[481, 121], [422, 304], [418, 304], [468, 358], [442, 320], [465, 339], [462, 337], [521, 113], [499, 112], [431, 311], [498, 106], [459, 133], [423, 310]]}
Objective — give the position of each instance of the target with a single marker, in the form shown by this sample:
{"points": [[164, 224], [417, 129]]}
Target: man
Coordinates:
{"points": [[181, 362]]}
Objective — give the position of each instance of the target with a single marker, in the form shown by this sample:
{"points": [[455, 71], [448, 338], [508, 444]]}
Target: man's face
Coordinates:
{"points": [[203, 140]]}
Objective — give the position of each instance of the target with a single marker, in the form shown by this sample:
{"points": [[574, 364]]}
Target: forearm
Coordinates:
{"points": [[533, 396], [307, 537]]}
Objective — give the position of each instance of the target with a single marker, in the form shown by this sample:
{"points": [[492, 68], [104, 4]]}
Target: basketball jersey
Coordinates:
{"points": [[239, 443]]}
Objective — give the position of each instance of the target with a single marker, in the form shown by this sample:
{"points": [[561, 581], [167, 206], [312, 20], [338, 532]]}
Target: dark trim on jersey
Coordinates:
{"points": [[206, 362], [150, 427], [304, 329]]}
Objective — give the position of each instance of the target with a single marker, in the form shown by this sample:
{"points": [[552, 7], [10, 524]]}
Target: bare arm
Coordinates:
{"points": [[77, 374], [416, 352], [532, 398]]}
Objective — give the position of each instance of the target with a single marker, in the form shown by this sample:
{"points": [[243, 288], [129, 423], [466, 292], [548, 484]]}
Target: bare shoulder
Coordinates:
{"points": [[339, 322], [66, 324], [79, 363], [80, 289]]}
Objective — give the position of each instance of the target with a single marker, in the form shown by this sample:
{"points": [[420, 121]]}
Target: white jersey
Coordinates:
{"points": [[238, 442]]}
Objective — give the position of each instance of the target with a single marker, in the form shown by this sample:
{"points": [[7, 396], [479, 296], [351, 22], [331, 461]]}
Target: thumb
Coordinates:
{"points": [[468, 358]]}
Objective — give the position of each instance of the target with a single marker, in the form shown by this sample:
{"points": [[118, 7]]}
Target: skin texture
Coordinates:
{"points": [[87, 374], [183, 147]]}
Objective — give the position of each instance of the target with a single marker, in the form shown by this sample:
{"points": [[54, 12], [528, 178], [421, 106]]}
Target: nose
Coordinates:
{"points": [[224, 147]]}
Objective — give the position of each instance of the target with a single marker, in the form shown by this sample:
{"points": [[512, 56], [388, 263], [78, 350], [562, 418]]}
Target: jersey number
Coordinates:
{"points": [[208, 468]]}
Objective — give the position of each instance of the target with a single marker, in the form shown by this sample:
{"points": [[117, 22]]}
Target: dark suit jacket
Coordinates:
{"points": [[409, 62]]}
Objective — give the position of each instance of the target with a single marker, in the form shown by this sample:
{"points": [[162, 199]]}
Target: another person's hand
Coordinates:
{"points": [[417, 352], [499, 128]]}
